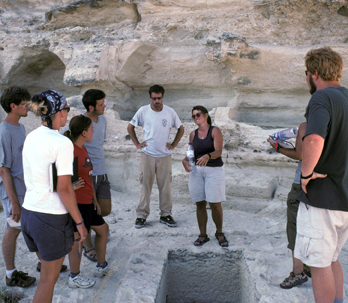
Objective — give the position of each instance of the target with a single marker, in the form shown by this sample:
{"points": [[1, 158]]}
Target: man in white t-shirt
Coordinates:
{"points": [[155, 160]]}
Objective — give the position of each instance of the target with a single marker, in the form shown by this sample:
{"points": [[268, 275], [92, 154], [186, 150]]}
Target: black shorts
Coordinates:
{"points": [[50, 235], [90, 216]]}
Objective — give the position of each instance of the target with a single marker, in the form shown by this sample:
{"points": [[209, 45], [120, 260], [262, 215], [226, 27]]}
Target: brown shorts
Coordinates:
{"points": [[292, 208]]}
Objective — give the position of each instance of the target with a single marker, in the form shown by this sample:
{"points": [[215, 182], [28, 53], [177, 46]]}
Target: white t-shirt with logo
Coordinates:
{"points": [[43, 147], [157, 126]]}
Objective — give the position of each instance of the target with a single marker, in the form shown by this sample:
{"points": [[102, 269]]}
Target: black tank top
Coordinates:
{"points": [[206, 146]]}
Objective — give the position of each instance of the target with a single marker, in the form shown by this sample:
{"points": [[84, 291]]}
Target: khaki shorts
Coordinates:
{"points": [[321, 234], [207, 184]]}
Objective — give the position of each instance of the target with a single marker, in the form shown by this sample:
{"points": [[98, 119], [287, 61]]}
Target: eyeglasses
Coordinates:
{"points": [[26, 103], [156, 98], [196, 115], [66, 108], [306, 72]]}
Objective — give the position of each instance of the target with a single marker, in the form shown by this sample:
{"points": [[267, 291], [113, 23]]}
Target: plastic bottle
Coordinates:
{"points": [[190, 153], [286, 134]]}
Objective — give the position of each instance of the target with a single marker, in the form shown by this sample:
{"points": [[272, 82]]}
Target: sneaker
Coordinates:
{"points": [[80, 282], [140, 223], [20, 279], [294, 280], [63, 268], [100, 271], [168, 220]]}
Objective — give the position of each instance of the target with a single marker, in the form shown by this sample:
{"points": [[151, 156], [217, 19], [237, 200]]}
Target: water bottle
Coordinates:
{"points": [[286, 134], [190, 153]]}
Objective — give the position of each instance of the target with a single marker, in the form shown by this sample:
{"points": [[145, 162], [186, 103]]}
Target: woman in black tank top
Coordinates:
{"points": [[207, 181]]}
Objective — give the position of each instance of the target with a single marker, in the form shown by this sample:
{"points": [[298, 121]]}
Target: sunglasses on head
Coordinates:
{"points": [[156, 98], [196, 115], [66, 108]]}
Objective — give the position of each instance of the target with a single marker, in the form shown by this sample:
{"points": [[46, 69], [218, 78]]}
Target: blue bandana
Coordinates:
{"points": [[54, 102]]}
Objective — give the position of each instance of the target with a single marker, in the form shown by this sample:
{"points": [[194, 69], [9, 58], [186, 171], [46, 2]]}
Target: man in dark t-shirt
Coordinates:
{"points": [[322, 220]]}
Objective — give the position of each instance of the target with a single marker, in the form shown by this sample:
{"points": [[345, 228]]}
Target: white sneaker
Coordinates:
{"points": [[80, 282], [99, 272]]}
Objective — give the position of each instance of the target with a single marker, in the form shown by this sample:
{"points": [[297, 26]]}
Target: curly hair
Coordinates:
{"points": [[326, 62]]}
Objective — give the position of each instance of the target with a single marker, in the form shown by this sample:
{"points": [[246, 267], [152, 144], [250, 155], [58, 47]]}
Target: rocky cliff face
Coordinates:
{"points": [[246, 55]]}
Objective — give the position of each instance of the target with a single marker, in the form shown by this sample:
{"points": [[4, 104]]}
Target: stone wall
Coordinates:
{"points": [[246, 55]]}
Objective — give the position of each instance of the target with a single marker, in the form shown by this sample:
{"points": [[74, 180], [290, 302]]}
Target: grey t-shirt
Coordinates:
{"points": [[11, 145], [95, 146], [327, 116]]}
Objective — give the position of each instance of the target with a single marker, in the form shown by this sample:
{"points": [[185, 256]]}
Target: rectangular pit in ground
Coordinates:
{"points": [[205, 278]]}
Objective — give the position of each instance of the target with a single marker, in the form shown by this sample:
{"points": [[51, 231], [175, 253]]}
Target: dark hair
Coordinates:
{"points": [[156, 89], [91, 96], [13, 94], [77, 125], [203, 111]]}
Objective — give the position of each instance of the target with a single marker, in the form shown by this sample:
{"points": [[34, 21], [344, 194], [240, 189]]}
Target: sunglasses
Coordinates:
{"points": [[156, 98], [196, 115], [306, 72], [66, 108]]}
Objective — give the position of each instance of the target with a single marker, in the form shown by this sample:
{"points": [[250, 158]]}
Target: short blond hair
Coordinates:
{"points": [[326, 62]]}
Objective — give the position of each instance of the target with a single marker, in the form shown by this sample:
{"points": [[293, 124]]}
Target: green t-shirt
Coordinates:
{"points": [[327, 116]]}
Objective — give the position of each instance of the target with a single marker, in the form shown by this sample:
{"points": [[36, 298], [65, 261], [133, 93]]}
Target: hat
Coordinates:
{"points": [[53, 101]]}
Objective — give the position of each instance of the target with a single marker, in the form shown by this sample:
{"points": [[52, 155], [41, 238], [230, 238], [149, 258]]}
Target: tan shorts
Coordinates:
{"points": [[321, 234]]}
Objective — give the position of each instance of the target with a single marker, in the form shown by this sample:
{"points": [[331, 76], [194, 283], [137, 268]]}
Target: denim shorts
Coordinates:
{"points": [[50, 235], [101, 186], [7, 205]]}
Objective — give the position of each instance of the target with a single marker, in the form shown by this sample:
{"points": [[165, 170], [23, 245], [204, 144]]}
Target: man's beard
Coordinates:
{"points": [[313, 87]]}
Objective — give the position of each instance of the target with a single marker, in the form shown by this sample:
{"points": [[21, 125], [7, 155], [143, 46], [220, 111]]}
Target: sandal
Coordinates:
{"points": [[199, 242], [294, 280], [223, 242], [91, 256]]}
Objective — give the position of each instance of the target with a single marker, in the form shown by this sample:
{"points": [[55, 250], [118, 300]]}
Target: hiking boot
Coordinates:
{"points": [[20, 279], [63, 268], [100, 271], [294, 280], [80, 282], [168, 220], [140, 223]]}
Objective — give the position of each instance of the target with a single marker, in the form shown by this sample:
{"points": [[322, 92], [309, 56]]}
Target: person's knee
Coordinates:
{"points": [[201, 205], [215, 206], [105, 206]]}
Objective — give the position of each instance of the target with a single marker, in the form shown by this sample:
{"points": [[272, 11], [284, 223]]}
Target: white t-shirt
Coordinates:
{"points": [[43, 147], [157, 126]]}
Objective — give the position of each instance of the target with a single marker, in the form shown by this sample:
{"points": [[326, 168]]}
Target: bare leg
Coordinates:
{"points": [[74, 260], [48, 278], [338, 275], [297, 265], [101, 238], [324, 283], [105, 205], [202, 216], [216, 213], [9, 247], [88, 243]]}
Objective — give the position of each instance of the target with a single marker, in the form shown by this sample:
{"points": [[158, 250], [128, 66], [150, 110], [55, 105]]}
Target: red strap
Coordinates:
{"points": [[277, 147]]}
